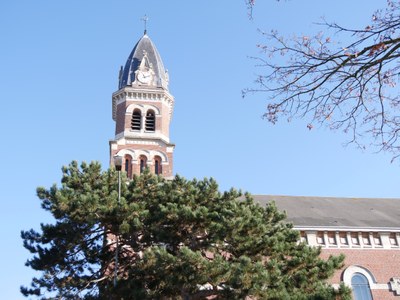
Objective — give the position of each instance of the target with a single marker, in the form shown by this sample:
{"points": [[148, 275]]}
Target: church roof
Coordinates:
{"points": [[144, 45], [329, 212]]}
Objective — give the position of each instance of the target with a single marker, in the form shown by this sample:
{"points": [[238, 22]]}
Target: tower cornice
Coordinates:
{"points": [[141, 94]]}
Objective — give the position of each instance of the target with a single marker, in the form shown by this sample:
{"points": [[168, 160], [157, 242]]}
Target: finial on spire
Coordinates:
{"points": [[145, 19]]}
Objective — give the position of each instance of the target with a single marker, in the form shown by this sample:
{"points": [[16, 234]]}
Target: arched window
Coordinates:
{"points": [[136, 122], [157, 165], [150, 121], [143, 163], [360, 286], [128, 165]]}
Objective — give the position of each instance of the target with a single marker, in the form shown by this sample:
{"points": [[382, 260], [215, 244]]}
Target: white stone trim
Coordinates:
{"points": [[150, 154], [170, 149], [114, 145], [364, 240], [129, 136], [141, 94], [348, 228], [143, 108], [124, 152], [351, 270], [119, 100], [163, 156], [373, 285], [394, 284]]}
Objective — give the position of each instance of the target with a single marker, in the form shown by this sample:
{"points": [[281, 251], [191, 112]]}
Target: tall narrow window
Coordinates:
{"points": [[360, 286], [128, 166], [136, 122], [150, 121], [157, 165], [143, 163]]}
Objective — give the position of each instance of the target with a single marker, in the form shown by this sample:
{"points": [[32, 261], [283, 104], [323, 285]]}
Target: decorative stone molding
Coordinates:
{"points": [[142, 95], [129, 136], [113, 145], [351, 239], [351, 270], [143, 108], [136, 142], [150, 154], [395, 285]]}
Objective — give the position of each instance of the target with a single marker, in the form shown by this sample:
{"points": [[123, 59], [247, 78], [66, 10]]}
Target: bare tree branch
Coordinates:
{"points": [[351, 88]]}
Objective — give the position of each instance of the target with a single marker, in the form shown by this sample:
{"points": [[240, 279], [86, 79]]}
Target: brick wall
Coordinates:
{"points": [[167, 169], [382, 264]]}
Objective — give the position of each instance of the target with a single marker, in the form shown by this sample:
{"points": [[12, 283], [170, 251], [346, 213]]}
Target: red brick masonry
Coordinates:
{"points": [[382, 264]]}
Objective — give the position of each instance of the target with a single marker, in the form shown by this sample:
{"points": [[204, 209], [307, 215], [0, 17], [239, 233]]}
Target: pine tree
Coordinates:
{"points": [[175, 239]]}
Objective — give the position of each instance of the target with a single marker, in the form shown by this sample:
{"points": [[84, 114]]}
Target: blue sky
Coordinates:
{"points": [[59, 65]]}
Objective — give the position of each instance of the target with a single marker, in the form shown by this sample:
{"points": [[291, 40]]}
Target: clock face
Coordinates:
{"points": [[144, 77]]}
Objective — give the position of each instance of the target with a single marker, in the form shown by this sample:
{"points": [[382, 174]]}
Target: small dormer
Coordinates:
{"points": [[144, 75]]}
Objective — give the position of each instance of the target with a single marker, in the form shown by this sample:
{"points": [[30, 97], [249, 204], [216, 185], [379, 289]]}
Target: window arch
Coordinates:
{"points": [[128, 165], [157, 165], [352, 270], [143, 163], [150, 121], [136, 122], [360, 287]]}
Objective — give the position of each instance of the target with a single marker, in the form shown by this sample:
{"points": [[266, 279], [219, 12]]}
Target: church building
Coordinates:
{"points": [[367, 231]]}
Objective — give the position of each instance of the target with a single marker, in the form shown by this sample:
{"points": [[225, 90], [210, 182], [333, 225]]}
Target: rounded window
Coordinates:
{"points": [[360, 286], [157, 165], [128, 165], [143, 163]]}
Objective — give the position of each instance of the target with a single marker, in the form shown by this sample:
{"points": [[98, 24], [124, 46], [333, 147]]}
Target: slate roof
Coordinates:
{"points": [[332, 212], [134, 59]]}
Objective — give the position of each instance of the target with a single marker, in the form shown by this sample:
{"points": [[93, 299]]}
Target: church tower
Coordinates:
{"points": [[142, 109]]}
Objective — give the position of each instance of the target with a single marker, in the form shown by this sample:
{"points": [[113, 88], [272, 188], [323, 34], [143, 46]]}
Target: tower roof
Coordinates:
{"points": [[144, 47]]}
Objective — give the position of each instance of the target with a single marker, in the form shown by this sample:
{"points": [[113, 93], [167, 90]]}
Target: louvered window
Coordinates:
{"points": [[136, 122], [150, 121]]}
